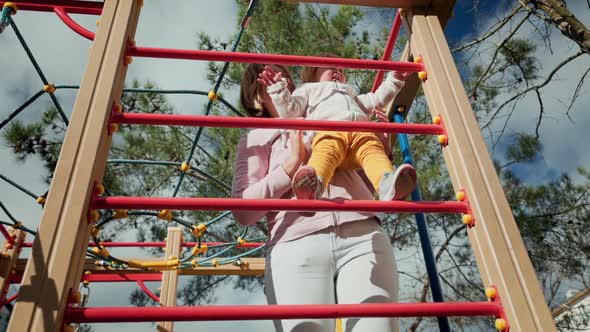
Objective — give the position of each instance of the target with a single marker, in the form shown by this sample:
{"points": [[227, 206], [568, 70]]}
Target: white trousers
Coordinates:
{"points": [[351, 263]]}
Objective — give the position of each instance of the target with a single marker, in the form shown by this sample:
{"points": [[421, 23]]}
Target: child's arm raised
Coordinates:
{"points": [[288, 105], [384, 94]]}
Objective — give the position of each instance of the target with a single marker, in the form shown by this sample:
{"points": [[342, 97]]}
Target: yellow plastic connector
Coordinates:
{"points": [[49, 88], [460, 195], [171, 263], [436, 120], [241, 240], [194, 263], [93, 216], [99, 188], [185, 167], [96, 231], [418, 59], [117, 108], [76, 296], [443, 139], [467, 219], [401, 108], [214, 262], [120, 214], [104, 252], [199, 250], [165, 215], [500, 324], [422, 75], [8, 246], [12, 6], [113, 127], [69, 328], [491, 293], [212, 95], [41, 200], [128, 60], [17, 224], [199, 230]]}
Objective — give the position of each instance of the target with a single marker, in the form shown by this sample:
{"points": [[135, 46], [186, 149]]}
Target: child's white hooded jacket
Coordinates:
{"points": [[331, 100]]}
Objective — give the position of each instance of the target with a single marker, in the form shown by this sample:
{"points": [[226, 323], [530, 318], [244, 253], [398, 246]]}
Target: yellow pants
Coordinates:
{"points": [[348, 150]]}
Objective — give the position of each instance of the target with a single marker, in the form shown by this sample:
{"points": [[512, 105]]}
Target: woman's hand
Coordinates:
{"points": [[298, 152], [269, 76], [378, 114]]}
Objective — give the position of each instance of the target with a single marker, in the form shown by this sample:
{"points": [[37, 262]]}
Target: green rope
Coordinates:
{"points": [[169, 163], [7, 212], [20, 109], [18, 186], [249, 14], [38, 69]]}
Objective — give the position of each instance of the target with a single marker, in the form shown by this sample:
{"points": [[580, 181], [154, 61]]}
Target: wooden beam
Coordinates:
{"points": [[498, 247], [254, 267], [9, 259], [170, 278], [58, 250]]}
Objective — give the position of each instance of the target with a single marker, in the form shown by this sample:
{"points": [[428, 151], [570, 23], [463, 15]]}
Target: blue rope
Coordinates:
{"points": [[38, 69], [437, 296]]}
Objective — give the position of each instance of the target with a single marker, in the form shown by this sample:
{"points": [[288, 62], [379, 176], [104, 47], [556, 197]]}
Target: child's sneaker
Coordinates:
{"points": [[306, 184], [397, 185]]}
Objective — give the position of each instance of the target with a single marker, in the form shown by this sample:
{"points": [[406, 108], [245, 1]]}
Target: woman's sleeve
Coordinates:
{"points": [[289, 106], [252, 179], [384, 94]]}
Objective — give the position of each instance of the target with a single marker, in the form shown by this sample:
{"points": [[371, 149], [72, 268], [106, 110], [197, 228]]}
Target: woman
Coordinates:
{"points": [[312, 258]]}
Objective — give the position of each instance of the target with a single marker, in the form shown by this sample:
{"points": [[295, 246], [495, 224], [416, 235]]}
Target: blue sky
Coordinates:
{"points": [[176, 26]]}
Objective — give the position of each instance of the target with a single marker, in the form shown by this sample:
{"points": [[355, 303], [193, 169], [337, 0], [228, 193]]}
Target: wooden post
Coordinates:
{"points": [[497, 245], [59, 248], [170, 277], [9, 259]]}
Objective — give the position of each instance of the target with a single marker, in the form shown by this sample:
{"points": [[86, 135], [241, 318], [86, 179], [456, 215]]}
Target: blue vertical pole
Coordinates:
{"points": [[443, 322]]}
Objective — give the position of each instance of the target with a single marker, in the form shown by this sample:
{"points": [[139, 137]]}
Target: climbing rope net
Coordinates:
{"points": [[211, 254]]}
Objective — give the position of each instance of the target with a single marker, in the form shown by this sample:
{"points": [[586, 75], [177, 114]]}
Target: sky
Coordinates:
{"points": [[62, 55]]}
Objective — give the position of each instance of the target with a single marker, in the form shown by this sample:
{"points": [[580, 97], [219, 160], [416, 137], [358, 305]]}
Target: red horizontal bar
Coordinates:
{"points": [[70, 6], [61, 13], [256, 312], [239, 122], [159, 244], [163, 244], [279, 59], [121, 276], [233, 204]]}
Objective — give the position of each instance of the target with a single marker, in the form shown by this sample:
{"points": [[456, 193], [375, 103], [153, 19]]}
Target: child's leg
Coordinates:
{"points": [[366, 151], [328, 150]]}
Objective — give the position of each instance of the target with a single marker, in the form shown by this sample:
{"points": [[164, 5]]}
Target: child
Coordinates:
{"points": [[326, 96]]}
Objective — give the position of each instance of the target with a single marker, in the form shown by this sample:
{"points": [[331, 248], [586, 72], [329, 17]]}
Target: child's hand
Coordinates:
{"points": [[399, 75], [269, 76]]}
